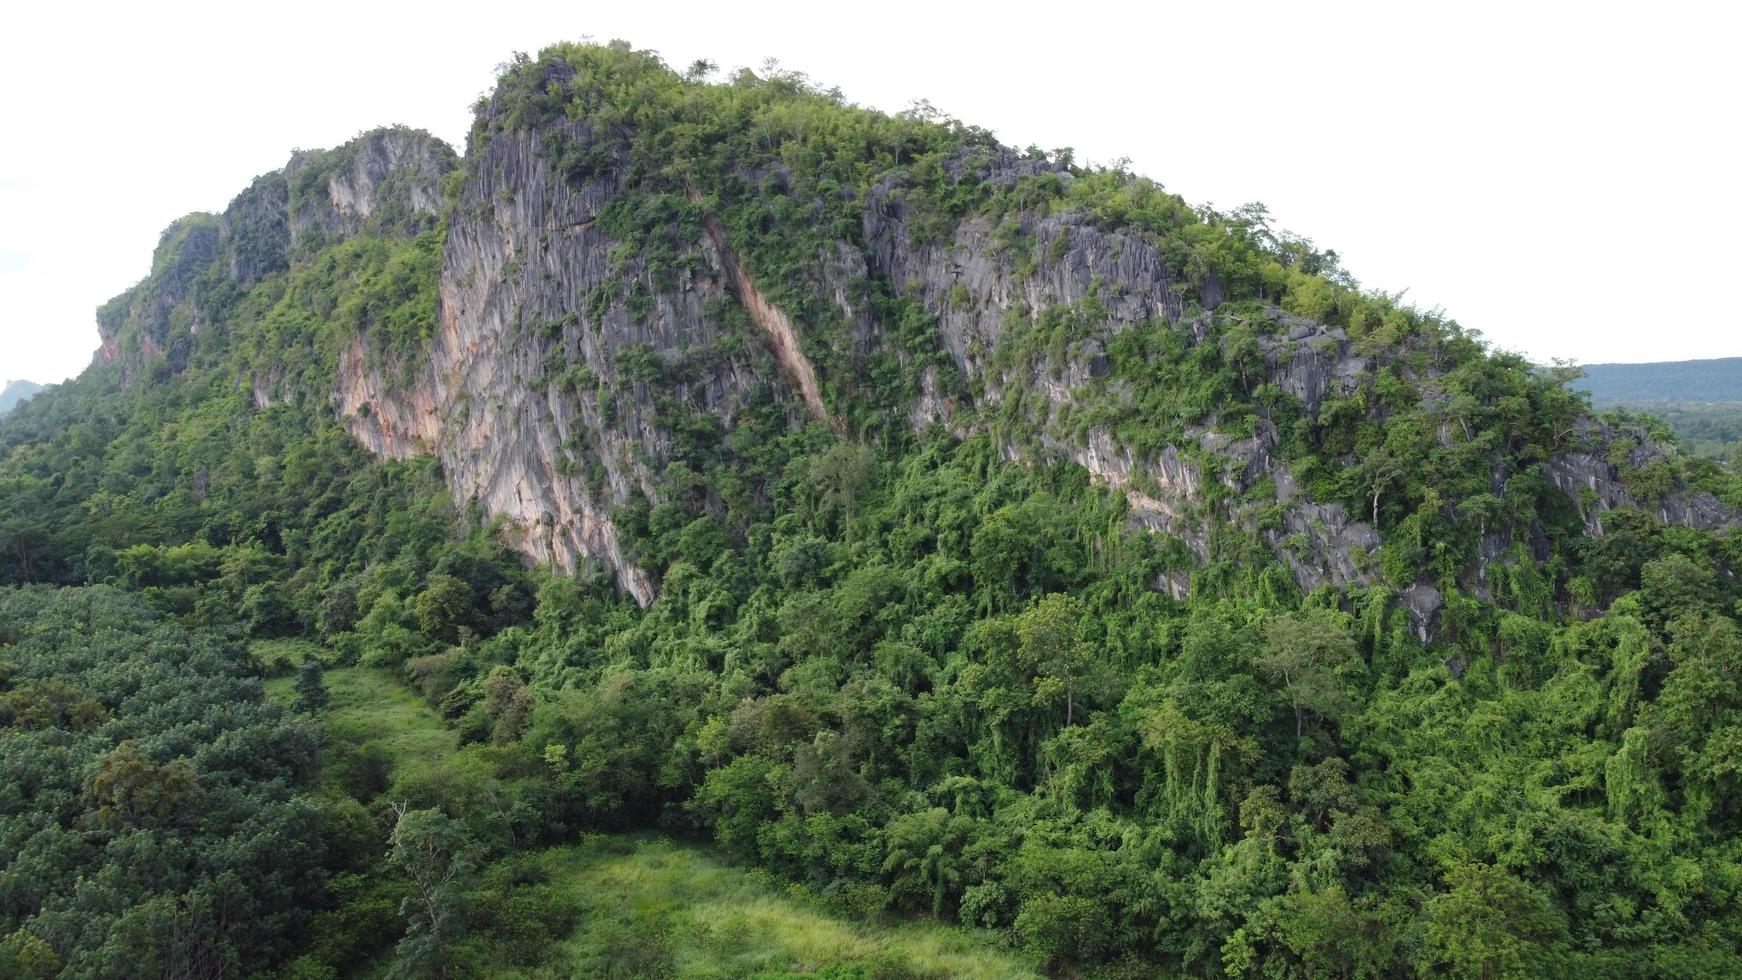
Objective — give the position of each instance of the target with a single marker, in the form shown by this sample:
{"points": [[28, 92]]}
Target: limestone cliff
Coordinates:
{"points": [[384, 182], [575, 350]]}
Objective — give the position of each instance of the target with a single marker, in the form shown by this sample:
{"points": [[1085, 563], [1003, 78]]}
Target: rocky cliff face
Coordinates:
{"points": [[387, 181], [972, 284], [384, 182], [532, 299], [534, 293], [150, 325], [1595, 484], [565, 358]]}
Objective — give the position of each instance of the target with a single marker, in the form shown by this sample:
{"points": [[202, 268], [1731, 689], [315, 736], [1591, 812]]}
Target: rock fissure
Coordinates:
{"points": [[775, 325]]}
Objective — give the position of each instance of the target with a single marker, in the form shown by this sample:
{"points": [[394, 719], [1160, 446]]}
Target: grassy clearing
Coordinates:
{"points": [[653, 907], [374, 715]]}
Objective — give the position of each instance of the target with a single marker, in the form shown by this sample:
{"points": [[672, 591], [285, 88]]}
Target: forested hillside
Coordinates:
{"points": [[952, 531]]}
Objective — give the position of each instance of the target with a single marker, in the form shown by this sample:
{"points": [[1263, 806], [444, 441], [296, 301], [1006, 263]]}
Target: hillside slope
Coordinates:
{"points": [[954, 529]]}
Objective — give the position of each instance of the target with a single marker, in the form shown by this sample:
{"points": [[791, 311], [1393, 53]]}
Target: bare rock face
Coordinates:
{"points": [[387, 181], [532, 298], [158, 315], [973, 285], [384, 182], [535, 294], [1596, 485], [256, 230]]}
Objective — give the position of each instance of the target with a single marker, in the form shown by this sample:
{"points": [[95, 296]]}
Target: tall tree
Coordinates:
{"points": [[434, 854], [311, 688], [1307, 651]]}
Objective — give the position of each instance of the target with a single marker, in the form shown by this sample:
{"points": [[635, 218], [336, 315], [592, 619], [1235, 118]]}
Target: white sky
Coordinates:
{"points": [[1562, 177]]}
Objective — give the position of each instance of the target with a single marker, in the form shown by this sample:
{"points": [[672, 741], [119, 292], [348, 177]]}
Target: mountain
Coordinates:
{"points": [[15, 392], [954, 529], [1715, 380], [603, 288]]}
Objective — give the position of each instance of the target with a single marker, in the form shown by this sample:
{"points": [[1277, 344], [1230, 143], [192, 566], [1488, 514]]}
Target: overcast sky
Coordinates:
{"points": [[1561, 177]]}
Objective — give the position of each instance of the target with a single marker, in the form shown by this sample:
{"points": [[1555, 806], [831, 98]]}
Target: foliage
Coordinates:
{"points": [[156, 818]]}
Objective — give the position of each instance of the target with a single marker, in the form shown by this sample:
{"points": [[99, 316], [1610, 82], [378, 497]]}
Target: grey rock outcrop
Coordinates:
{"points": [[384, 182], [159, 316], [530, 280], [564, 362], [496, 400], [1596, 485]]}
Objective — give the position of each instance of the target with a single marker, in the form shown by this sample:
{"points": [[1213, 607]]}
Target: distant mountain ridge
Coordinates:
{"points": [[15, 392], [1714, 380]]}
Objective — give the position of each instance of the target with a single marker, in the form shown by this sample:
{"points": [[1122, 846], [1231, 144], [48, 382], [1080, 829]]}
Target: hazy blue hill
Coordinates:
{"points": [[15, 392], [1715, 380]]}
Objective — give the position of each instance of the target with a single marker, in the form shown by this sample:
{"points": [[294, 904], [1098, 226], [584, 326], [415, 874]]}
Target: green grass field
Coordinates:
{"points": [[642, 905], [654, 907]]}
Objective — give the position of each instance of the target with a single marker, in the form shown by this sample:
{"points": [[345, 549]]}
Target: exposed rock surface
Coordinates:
{"points": [[159, 315], [782, 338], [1130, 280], [386, 181], [546, 388], [523, 250], [1596, 485]]}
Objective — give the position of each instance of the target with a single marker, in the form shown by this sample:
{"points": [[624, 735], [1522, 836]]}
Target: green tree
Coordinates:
{"points": [[443, 607], [507, 704], [1308, 652], [1489, 925], [925, 857], [129, 790], [1332, 936], [840, 476], [25, 956], [311, 688], [433, 853], [1054, 652]]}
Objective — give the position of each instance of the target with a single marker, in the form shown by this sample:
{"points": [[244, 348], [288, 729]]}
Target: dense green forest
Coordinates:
{"points": [[908, 702]]}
